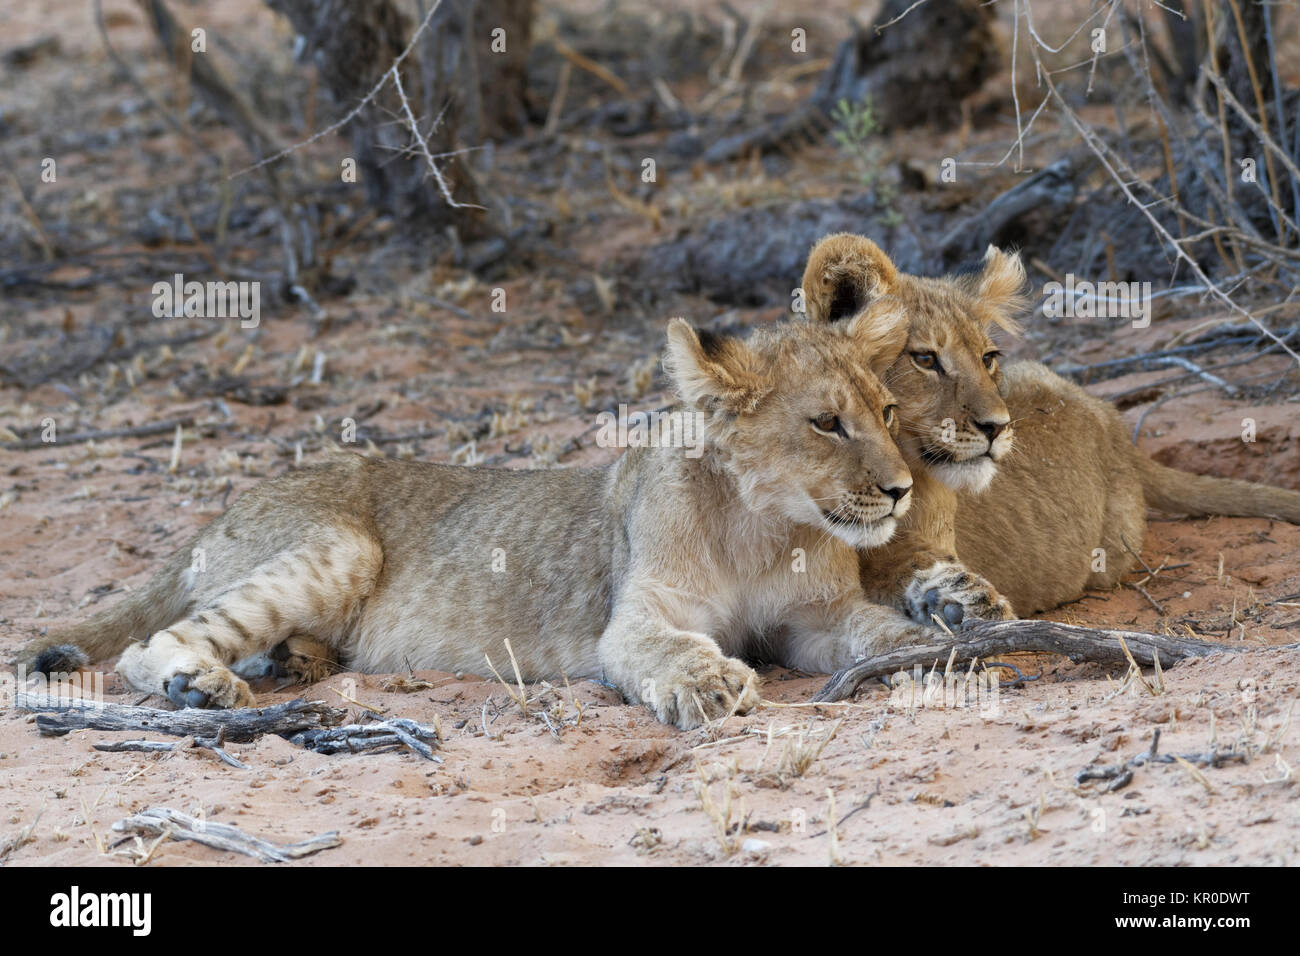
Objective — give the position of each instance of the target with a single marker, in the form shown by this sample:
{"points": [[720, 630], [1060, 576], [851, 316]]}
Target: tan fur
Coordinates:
{"points": [[849, 278], [1073, 490], [656, 573], [1076, 484]]}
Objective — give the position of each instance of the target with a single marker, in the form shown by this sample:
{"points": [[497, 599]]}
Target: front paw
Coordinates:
{"points": [[955, 596], [704, 687], [216, 688]]}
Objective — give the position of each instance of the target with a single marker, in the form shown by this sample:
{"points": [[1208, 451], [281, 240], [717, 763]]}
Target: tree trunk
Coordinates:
{"points": [[918, 70], [464, 82]]}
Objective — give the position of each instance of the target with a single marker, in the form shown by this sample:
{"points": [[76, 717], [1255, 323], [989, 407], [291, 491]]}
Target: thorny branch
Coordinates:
{"points": [[392, 73]]}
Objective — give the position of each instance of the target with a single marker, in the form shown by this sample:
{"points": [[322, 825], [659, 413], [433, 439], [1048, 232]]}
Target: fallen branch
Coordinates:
{"points": [[164, 821], [392, 734], [135, 431], [56, 716], [1149, 361], [1121, 776], [990, 638], [1053, 188], [161, 746]]}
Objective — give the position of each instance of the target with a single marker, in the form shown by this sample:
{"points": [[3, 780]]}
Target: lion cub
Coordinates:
{"points": [[655, 573], [1064, 512]]}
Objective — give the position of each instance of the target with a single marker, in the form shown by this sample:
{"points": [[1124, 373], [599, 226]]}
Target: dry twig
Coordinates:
{"points": [[164, 821]]}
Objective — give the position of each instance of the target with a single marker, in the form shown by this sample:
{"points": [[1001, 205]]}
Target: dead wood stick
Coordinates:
{"points": [[161, 746], [159, 821], [393, 732], [134, 431], [137, 746], [1121, 775], [1114, 368], [1053, 187], [989, 638], [56, 716]]}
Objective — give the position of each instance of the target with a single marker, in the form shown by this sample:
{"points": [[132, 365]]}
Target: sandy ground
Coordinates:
{"points": [[989, 785], [81, 523]]}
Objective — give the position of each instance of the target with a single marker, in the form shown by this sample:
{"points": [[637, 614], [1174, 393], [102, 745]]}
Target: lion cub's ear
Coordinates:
{"points": [[1001, 286], [845, 273], [881, 337], [712, 371]]}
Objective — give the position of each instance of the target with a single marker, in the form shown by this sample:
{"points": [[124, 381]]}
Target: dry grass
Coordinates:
{"points": [[1156, 686], [804, 750], [1195, 774], [520, 697], [1034, 813], [832, 830], [20, 839], [726, 816]]}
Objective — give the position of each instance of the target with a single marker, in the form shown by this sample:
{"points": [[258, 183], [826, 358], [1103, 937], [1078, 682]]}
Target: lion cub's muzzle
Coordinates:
{"points": [[949, 444], [966, 459], [868, 506]]}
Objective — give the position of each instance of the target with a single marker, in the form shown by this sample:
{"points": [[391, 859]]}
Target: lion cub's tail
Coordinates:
{"points": [[160, 602], [1168, 489]]}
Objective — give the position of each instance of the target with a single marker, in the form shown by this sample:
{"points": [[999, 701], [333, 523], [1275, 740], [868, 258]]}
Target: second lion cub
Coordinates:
{"points": [[655, 573]]}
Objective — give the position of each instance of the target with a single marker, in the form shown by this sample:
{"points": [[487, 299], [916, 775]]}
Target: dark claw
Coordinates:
{"points": [[277, 656], [182, 694], [953, 613]]}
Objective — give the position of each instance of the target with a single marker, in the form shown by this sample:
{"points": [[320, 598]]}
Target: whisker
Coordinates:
{"points": [[829, 530]]}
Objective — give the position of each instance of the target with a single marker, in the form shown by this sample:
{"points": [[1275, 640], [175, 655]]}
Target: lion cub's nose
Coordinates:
{"points": [[992, 429], [898, 492]]}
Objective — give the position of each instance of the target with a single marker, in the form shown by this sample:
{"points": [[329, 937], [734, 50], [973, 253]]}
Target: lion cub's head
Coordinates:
{"points": [[947, 378], [799, 419]]}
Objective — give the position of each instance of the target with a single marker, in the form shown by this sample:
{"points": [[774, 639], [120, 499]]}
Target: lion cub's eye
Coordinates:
{"points": [[927, 360], [829, 424], [888, 415], [991, 359]]}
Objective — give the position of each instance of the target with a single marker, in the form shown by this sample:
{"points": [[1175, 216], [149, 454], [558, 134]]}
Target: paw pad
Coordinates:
{"points": [[182, 694]]}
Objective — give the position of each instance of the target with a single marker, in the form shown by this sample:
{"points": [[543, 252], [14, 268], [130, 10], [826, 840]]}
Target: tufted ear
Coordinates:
{"points": [[1000, 286], [844, 274], [713, 371], [881, 336]]}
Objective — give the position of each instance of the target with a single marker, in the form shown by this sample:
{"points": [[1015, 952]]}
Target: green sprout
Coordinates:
{"points": [[855, 132]]}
